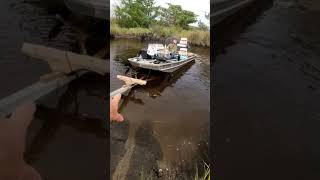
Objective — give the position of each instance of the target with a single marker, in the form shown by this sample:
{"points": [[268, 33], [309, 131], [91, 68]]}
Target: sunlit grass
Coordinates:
{"points": [[195, 36], [206, 175]]}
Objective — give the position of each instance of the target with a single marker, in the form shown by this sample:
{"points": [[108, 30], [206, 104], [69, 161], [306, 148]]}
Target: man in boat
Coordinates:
{"points": [[172, 48]]}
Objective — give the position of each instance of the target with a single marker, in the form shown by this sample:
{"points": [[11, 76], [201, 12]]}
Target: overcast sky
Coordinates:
{"points": [[199, 7]]}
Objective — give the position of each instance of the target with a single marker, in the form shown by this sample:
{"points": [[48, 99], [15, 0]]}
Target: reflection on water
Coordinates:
{"points": [[175, 107], [266, 93], [71, 130], [67, 139], [229, 30]]}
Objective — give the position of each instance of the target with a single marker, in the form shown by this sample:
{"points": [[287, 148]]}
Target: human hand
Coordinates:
{"points": [[12, 144], [114, 103]]}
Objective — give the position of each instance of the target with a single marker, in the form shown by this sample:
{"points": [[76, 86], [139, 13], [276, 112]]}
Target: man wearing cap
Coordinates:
{"points": [[172, 48]]}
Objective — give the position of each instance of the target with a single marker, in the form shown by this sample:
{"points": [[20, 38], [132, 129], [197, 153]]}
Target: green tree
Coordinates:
{"points": [[136, 13], [174, 15]]}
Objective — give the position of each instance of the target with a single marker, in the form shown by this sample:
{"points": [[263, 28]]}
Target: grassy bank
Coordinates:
{"points": [[195, 36]]}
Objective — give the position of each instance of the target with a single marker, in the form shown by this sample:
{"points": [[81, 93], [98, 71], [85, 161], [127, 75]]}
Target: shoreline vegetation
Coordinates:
{"points": [[143, 19], [196, 36], [172, 174]]}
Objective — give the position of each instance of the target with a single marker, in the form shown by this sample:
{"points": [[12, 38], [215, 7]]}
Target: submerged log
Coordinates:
{"points": [[66, 61]]}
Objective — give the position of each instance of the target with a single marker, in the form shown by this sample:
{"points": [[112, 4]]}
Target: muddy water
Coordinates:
{"points": [[266, 92], [67, 139], [167, 121]]}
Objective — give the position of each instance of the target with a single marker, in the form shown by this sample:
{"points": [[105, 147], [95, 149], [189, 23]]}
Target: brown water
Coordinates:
{"points": [[266, 92], [68, 137], [168, 120]]}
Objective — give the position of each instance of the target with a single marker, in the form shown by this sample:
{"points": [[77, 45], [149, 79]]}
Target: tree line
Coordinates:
{"points": [[144, 13]]}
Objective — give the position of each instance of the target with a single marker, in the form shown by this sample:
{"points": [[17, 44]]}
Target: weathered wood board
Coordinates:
{"points": [[129, 83], [34, 92], [121, 90], [65, 61], [62, 63]]}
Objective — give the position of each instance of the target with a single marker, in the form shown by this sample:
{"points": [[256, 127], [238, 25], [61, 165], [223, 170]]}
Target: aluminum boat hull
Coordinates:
{"points": [[167, 67]]}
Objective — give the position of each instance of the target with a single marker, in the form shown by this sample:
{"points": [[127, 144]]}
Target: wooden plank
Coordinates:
{"points": [[35, 91], [129, 83], [129, 80], [121, 90], [66, 61], [61, 63]]}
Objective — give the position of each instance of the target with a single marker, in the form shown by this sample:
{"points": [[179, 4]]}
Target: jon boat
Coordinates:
{"points": [[167, 66], [163, 64], [225, 8]]}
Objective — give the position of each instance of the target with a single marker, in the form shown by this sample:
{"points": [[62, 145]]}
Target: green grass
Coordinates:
{"points": [[204, 176], [137, 32], [145, 176], [195, 36]]}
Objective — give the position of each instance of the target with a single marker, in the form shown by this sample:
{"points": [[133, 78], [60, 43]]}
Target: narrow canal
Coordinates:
{"points": [[266, 92], [167, 121], [68, 138]]}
